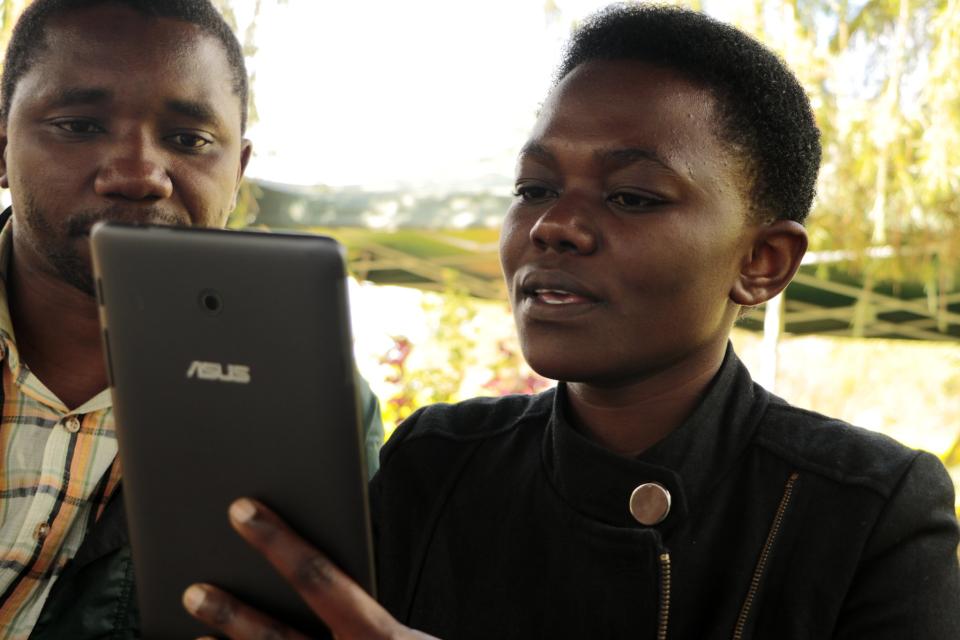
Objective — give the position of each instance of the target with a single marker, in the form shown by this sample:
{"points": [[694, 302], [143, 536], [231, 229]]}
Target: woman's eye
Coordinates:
{"points": [[532, 192], [189, 140]]}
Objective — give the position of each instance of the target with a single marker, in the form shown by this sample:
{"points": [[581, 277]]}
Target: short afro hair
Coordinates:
{"points": [[28, 39], [764, 113]]}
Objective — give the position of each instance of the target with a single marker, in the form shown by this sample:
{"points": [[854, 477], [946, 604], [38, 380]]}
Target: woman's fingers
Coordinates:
{"points": [[348, 610], [239, 621]]}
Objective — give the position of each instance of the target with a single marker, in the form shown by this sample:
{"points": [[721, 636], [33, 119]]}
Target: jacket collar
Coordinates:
{"points": [[688, 462]]}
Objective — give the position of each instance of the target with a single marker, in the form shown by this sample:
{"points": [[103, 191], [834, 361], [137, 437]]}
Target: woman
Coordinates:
{"points": [[657, 492]]}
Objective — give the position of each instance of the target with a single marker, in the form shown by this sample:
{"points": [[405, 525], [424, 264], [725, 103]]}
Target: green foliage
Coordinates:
{"points": [[10, 10], [888, 101], [245, 213], [451, 316], [509, 375]]}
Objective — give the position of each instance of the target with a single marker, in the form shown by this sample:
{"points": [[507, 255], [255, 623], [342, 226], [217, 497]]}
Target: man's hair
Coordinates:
{"points": [[28, 39], [764, 113]]}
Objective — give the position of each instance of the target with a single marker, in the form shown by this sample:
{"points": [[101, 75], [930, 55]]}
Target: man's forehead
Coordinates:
{"points": [[115, 27], [100, 40]]}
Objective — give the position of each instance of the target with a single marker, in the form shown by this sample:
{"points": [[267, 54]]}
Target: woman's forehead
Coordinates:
{"points": [[634, 94], [611, 105], [624, 108]]}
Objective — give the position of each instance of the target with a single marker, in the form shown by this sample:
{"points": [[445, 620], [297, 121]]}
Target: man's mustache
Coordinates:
{"points": [[79, 224]]}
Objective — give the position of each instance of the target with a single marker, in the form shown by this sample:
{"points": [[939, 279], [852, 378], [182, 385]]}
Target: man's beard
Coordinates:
{"points": [[59, 243], [73, 269]]}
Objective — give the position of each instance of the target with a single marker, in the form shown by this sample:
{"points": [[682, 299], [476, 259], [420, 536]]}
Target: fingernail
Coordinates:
{"points": [[242, 510], [193, 598]]}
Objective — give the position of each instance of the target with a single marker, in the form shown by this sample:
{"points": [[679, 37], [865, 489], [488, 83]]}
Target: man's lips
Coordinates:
{"points": [[80, 224]]}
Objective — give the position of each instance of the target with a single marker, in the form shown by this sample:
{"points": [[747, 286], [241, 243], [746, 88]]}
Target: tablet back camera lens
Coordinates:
{"points": [[211, 302]]}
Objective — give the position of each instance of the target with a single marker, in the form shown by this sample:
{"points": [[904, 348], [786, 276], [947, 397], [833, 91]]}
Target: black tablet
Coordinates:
{"points": [[231, 368]]}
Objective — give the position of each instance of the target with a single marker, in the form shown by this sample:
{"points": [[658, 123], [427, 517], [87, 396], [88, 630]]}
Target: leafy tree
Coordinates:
{"points": [[881, 77]]}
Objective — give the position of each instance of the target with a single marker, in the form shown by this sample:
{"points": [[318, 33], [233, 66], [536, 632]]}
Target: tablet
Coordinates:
{"points": [[230, 363]]}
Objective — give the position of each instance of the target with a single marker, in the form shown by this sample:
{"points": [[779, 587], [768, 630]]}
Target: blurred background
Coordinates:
{"points": [[393, 126]]}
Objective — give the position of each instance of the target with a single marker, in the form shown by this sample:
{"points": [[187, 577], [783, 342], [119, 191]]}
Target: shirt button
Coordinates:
{"points": [[42, 531], [72, 424], [650, 503]]}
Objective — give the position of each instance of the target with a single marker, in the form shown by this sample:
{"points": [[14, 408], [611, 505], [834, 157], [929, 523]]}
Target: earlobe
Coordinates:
{"points": [[4, 180], [246, 150], [777, 251]]}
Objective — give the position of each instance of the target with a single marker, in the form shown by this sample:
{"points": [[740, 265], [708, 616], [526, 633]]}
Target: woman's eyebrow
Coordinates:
{"points": [[617, 157], [630, 155]]}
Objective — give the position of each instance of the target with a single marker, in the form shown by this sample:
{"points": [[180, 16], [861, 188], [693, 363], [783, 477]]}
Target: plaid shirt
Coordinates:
{"points": [[57, 469]]}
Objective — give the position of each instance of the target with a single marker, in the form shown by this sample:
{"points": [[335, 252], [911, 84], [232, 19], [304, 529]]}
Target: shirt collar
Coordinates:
{"points": [[688, 462], [8, 346], [6, 325]]}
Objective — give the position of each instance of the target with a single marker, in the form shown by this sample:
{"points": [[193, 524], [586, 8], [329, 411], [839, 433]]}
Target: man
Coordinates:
{"points": [[127, 110], [657, 492]]}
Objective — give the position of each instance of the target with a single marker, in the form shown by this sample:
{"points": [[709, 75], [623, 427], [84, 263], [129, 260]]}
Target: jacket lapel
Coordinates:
{"points": [[108, 534]]}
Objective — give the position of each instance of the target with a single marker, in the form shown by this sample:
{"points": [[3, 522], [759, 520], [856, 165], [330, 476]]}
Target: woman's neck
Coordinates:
{"points": [[630, 418]]}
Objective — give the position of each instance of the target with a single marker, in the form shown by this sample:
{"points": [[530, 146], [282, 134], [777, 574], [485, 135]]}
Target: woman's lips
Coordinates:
{"points": [[554, 286], [559, 297], [554, 295], [540, 302]]}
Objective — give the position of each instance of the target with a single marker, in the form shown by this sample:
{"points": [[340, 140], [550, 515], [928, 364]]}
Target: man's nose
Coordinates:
{"points": [[134, 170], [566, 227]]}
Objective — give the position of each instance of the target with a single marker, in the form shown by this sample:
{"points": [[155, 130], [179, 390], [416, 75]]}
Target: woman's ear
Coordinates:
{"points": [[4, 178], [777, 250]]}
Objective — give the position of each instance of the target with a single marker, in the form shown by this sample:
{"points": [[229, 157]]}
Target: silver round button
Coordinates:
{"points": [[72, 424], [650, 503]]}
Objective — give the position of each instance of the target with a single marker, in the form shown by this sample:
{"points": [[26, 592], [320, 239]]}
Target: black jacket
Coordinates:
{"points": [[496, 519], [95, 596]]}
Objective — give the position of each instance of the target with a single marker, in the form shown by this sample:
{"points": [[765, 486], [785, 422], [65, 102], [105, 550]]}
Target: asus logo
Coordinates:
{"points": [[215, 371]]}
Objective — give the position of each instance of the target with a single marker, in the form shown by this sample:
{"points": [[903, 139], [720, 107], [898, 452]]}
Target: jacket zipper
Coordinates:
{"points": [[664, 614], [764, 555]]}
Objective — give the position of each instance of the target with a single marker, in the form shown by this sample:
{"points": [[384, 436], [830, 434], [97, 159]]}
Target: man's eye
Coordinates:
{"points": [[532, 192], [633, 200], [78, 126], [189, 140]]}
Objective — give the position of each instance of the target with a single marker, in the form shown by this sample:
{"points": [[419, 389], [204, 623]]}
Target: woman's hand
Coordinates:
{"points": [[346, 608]]}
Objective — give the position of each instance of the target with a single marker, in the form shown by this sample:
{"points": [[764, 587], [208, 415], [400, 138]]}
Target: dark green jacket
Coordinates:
{"points": [[95, 596]]}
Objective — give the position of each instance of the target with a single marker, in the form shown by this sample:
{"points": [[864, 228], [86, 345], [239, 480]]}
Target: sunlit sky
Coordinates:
{"points": [[420, 93]]}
